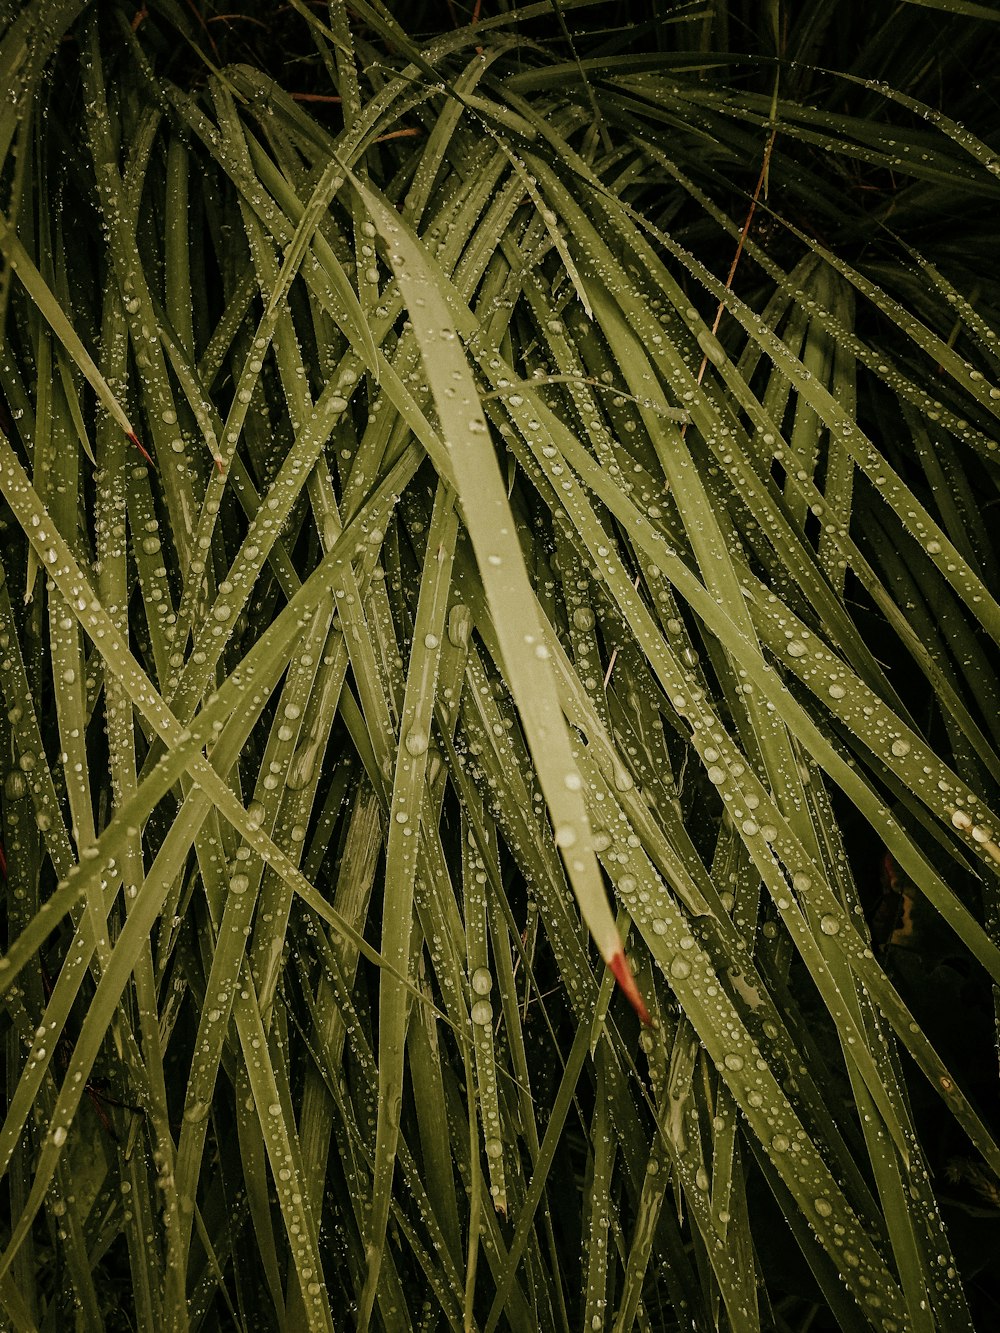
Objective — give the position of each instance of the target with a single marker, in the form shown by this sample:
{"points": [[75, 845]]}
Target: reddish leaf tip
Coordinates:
{"points": [[623, 975], [138, 444]]}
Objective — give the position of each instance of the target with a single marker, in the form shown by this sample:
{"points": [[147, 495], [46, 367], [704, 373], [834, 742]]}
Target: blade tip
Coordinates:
{"points": [[623, 975]]}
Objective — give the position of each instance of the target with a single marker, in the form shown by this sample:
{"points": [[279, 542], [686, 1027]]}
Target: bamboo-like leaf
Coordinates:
{"points": [[19, 261], [574, 466]]}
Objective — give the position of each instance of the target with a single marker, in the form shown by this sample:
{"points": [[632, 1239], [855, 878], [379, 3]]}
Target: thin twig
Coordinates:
{"points": [[719, 312]]}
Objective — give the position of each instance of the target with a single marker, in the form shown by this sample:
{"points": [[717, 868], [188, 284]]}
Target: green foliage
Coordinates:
{"points": [[475, 493]]}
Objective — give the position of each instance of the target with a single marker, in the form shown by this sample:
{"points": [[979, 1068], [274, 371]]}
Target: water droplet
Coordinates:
{"points": [[459, 625], [482, 981], [416, 742], [712, 348], [482, 1012], [301, 766]]}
